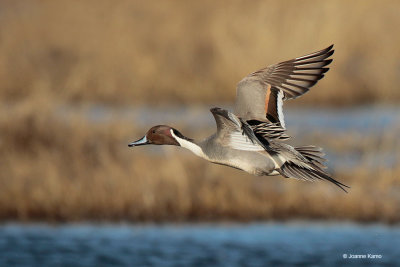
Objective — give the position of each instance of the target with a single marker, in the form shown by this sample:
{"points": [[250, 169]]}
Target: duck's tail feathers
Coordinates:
{"points": [[310, 170], [314, 154]]}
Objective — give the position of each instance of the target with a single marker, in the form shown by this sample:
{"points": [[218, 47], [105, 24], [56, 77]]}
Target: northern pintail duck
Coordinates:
{"points": [[251, 138]]}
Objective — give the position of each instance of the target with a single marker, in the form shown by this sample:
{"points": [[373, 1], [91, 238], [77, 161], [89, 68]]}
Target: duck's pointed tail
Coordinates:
{"points": [[311, 169]]}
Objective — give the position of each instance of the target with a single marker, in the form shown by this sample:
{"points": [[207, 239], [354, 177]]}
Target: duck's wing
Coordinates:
{"points": [[259, 96], [268, 130], [233, 132]]}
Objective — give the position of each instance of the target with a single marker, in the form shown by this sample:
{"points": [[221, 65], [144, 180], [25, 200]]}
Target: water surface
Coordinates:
{"points": [[361, 118], [270, 244]]}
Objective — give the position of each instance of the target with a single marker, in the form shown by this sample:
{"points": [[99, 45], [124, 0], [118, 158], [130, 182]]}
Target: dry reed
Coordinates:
{"points": [[183, 51], [134, 52], [71, 170]]}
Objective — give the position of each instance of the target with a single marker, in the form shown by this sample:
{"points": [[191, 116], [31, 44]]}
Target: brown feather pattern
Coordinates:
{"points": [[296, 76]]}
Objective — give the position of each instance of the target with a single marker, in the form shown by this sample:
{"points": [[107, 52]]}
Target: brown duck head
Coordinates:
{"points": [[158, 135]]}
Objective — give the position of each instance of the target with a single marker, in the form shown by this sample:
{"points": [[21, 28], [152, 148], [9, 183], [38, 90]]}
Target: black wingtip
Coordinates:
{"points": [[215, 109], [331, 51], [220, 111], [324, 70], [327, 50], [328, 61]]}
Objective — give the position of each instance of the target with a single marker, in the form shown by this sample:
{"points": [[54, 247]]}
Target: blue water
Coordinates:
{"points": [[363, 119], [271, 244]]}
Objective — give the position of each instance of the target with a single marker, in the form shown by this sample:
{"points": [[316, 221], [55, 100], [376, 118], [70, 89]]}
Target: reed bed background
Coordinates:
{"points": [[55, 53], [132, 52], [69, 169]]}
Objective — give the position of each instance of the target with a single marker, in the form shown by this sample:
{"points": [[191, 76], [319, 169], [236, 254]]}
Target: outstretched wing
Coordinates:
{"points": [[232, 132], [259, 96]]}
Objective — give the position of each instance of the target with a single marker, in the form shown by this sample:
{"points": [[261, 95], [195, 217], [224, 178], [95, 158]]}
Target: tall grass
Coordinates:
{"points": [[158, 52], [130, 52], [70, 170]]}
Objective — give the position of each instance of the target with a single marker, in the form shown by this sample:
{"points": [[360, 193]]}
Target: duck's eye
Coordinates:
{"points": [[154, 131]]}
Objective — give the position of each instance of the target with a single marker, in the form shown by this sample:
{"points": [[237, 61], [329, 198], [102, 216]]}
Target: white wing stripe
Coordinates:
{"points": [[239, 141], [279, 107]]}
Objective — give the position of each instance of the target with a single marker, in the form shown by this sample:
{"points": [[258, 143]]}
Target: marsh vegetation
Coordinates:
{"points": [[60, 166]]}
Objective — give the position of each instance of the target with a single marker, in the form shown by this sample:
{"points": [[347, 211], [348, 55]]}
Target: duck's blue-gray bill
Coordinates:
{"points": [[140, 142]]}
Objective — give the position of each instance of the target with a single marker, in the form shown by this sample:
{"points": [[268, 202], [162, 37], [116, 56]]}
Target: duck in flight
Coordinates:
{"points": [[251, 138]]}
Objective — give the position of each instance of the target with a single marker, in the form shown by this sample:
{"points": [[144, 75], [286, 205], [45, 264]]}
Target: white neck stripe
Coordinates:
{"points": [[189, 145]]}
